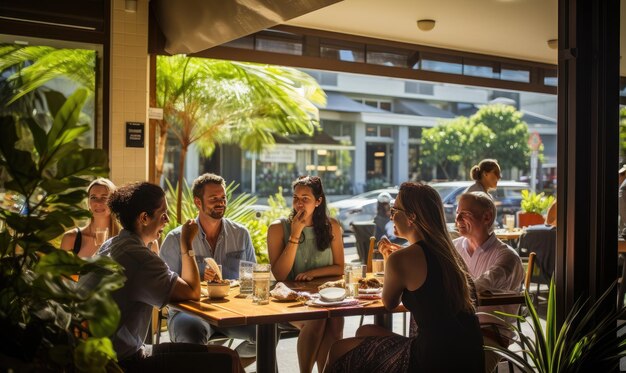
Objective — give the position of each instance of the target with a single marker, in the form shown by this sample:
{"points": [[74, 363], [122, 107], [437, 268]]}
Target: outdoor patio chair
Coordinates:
{"points": [[540, 239], [362, 233]]}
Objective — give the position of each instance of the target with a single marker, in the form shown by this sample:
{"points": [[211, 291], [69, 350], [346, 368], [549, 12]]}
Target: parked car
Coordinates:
{"points": [[507, 197], [361, 207]]}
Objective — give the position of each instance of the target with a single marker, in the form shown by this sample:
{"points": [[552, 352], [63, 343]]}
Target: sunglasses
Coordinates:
{"points": [[395, 210]]}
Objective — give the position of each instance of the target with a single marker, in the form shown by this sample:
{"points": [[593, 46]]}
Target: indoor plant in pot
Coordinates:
{"points": [[48, 321], [533, 205], [588, 340]]}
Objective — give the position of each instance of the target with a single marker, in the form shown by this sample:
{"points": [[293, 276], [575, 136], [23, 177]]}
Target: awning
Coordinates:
{"points": [[338, 102], [420, 108]]}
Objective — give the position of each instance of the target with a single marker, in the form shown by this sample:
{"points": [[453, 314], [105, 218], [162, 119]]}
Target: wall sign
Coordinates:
{"points": [[278, 155], [135, 134]]}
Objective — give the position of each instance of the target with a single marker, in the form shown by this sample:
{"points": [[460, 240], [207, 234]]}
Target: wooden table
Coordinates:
{"points": [[508, 235], [234, 311]]}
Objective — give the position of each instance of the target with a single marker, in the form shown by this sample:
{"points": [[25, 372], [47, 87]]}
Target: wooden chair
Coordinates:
{"points": [[370, 253]]}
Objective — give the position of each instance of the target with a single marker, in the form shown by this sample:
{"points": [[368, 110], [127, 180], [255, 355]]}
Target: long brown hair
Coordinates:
{"points": [[423, 202]]}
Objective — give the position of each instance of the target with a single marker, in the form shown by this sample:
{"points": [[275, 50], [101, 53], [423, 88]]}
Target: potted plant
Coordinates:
{"points": [[533, 205], [587, 341], [48, 322]]}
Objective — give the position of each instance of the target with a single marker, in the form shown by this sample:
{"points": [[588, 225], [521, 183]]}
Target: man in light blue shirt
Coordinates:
{"points": [[221, 239]]}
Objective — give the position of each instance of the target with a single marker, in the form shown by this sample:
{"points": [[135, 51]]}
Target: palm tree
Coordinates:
{"points": [[35, 66], [208, 101]]}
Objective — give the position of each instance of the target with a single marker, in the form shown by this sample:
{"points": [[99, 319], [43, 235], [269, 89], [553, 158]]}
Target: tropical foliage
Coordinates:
{"points": [[34, 66], [588, 340], [537, 203], [208, 102], [495, 131], [47, 320]]}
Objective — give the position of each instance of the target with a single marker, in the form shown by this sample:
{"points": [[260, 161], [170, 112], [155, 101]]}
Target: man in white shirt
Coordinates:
{"points": [[494, 266]]}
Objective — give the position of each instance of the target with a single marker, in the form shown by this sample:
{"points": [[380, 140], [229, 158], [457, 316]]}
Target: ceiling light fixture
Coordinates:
{"points": [[553, 43], [425, 24]]}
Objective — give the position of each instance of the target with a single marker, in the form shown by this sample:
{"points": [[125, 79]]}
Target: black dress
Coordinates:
{"points": [[446, 342]]}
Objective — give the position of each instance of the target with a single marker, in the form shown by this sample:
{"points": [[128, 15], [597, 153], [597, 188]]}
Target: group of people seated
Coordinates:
{"points": [[435, 278]]}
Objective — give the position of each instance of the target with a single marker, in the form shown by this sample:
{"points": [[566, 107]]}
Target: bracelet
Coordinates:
{"points": [[295, 242]]}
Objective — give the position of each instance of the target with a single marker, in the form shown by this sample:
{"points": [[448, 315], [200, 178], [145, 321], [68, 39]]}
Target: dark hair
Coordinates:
{"points": [[486, 165], [422, 204], [321, 222], [202, 180], [130, 200], [382, 208]]}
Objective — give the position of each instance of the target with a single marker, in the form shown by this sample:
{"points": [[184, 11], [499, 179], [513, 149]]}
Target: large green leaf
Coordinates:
{"points": [[85, 162], [94, 354], [67, 117]]}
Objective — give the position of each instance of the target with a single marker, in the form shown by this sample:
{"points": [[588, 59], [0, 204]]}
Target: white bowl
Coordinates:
{"points": [[217, 290], [333, 294]]}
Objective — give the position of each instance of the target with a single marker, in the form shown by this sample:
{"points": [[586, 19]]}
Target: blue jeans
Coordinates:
{"points": [[185, 328]]}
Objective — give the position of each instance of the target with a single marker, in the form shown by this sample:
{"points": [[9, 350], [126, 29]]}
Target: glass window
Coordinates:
{"points": [[247, 42], [346, 54], [371, 130], [385, 106], [279, 46], [515, 74], [480, 69], [387, 59], [441, 64], [386, 131]]}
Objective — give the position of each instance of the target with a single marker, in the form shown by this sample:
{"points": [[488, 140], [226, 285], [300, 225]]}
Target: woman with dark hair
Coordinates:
{"points": [[305, 246], [141, 209], [430, 279], [83, 241], [486, 174]]}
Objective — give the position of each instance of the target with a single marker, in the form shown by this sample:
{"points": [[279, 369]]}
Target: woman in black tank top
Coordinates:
{"points": [[430, 278], [83, 241]]}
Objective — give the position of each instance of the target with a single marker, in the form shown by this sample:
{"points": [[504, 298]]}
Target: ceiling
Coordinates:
{"points": [[510, 28]]}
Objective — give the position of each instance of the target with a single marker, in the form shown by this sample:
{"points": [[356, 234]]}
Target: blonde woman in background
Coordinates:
{"points": [[82, 241], [486, 174]]}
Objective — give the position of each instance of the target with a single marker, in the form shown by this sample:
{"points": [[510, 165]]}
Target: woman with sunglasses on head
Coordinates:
{"points": [[486, 174], [84, 242], [141, 209], [430, 279], [305, 246]]}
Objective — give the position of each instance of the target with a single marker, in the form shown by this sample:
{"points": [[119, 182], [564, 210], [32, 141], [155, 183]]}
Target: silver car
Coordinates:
{"points": [[361, 207]]}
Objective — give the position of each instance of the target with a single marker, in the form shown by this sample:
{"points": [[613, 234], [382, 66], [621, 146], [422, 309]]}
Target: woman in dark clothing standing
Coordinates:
{"points": [[429, 277]]}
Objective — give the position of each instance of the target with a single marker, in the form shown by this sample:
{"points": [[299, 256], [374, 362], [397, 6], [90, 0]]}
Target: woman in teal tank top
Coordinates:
{"points": [[305, 246]]}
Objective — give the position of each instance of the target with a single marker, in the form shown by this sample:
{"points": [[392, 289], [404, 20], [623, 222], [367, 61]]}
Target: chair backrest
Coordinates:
{"points": [[530, 267], [540, 239], [370, 253], [362, 233]]}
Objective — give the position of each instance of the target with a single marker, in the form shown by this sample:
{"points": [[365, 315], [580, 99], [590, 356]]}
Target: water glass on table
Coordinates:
{"points": [[245, 278], [509, 222], [261, 283], [101, 235]]}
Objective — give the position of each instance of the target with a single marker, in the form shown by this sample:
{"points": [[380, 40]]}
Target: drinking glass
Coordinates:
{"points": [[245, 277], [261, 282], [356, 274], [509, 221], [102, 234], [378, 266]]}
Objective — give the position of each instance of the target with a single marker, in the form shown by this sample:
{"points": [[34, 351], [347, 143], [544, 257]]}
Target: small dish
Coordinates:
{"points": [[370, 291], [217, 290], [333, 294]]}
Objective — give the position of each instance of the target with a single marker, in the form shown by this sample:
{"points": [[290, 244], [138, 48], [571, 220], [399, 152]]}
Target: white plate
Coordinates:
{"points": [[321, 303], [370, 291], [333, 294]]}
